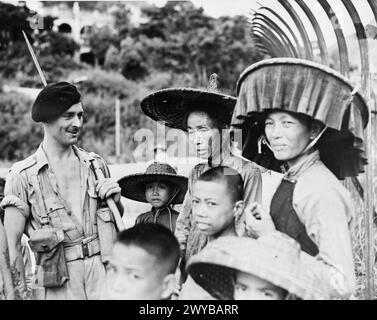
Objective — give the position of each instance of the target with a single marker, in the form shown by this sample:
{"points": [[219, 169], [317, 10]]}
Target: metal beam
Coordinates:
{"points": [[283, 46], [341, 40], [302, 55], [301, 28], [277, 30], [318, 32], [368, 207]]}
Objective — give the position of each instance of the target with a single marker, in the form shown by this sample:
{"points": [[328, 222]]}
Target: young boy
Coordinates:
{"points": [[269, 268], [217, 206], [161, 187], [143, 264], [217, 202]]}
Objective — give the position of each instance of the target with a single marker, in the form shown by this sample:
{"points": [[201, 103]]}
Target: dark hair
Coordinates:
{"points": [[157, 240], [213, 114], [227, 175]]}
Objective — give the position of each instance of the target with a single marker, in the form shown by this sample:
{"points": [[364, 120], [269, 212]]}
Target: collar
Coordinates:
{"points": [[306, 161], [160, 211], [42, 161]]}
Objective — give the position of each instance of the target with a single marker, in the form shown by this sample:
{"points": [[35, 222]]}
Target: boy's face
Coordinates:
{"points": [[158, 194], [249, 287], [134, 274], [203, 135], [212, 206]]}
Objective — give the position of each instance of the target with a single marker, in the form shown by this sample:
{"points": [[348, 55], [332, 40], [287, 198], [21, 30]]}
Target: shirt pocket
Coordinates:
{"points": [[60, 219]]}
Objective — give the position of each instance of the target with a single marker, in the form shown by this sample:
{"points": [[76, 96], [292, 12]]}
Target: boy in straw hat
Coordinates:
{"points": [[311, 121], [143, 264], [205, 115], [161, 187], [270, 268]]}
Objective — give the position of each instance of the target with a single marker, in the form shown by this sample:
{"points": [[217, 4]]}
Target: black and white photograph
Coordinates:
{"points": [[188, 152]]}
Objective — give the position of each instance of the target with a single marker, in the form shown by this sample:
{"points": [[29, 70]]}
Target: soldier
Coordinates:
{"points": [[54, 197]]}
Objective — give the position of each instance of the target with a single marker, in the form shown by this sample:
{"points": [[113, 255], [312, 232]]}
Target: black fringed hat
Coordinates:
{"points": [[304, 87], [172, 105]]}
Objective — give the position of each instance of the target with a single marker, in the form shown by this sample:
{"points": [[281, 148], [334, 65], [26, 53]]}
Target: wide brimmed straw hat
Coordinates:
{"points": [[275, 257], [311, 89], [172, 105], [133, 186]]}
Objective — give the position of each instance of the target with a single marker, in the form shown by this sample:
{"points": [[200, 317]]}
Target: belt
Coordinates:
{"points": [[86, 248]]}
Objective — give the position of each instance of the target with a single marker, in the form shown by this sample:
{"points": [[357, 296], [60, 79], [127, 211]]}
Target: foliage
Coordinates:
{"points": [[19, 134], [179, 38]]}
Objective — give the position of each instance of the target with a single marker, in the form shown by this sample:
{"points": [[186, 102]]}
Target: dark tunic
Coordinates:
{"points": [[166, 217], [285, 217]]}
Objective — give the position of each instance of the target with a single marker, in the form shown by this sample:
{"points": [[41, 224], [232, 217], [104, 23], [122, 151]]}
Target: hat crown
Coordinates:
{"points": [[213, 83], [160, 168], [275, 247]]}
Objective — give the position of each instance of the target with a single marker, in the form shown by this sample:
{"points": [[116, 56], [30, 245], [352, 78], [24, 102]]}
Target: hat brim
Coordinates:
{"points": [[172, 105], [133, 186], [215, 271]]}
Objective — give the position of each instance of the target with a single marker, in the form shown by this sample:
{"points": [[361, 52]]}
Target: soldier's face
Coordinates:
{"points": [[65, 130], [134, 274]]}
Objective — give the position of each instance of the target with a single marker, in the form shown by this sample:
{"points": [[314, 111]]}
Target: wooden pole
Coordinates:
{"points": [[369, 223], [117, 127]]}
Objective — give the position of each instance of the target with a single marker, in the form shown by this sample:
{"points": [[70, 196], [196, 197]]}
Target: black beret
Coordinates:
{"points": [[54, 100]]}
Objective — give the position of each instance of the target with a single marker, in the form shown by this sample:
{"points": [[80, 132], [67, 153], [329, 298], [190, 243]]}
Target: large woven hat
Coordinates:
{"points": [[172, 105], [308, 88], [133, 186], [275, 257]]}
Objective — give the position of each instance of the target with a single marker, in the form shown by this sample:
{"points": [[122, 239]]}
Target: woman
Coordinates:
{"points": [[310, 120]]}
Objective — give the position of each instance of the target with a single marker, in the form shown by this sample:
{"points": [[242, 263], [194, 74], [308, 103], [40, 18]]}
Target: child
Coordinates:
{"points": [[143, 264], [217, 207], [269, 268], [217, 202], [161, 187]]}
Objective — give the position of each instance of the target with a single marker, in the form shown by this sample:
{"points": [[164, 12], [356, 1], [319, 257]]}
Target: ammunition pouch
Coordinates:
{"points": [[106, 232], [51, 266]]}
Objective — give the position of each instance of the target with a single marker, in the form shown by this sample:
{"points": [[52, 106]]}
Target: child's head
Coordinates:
{"points": [[217, 200], [272, 267], [143, 263], [250, 287], [159, 184], [158, 193]]}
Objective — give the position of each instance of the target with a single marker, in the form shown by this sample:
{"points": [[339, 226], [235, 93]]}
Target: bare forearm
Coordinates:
{"points": [[5, 266], [18, 272]]}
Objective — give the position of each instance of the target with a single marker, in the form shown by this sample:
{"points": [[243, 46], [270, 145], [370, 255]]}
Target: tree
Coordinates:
{"points": [[13, 19]]}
